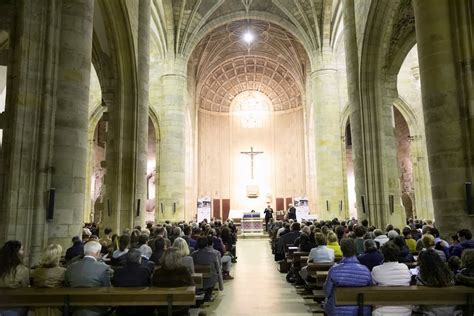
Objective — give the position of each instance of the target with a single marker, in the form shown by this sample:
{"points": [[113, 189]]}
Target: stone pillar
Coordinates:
{"points": [[71, 120], [352, 69], [171, 111], [127, 131], [143, 109], [444, 67], [28, 120], [328, 148]]}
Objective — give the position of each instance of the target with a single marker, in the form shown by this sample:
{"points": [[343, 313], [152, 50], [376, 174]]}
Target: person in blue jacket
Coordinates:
{"points": [[347, 273]]}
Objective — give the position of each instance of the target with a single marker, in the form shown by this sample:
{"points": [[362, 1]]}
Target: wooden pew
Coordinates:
{"points": [[198, 280], [88, 297], [203, 269], [405, 295], [318, 271]]}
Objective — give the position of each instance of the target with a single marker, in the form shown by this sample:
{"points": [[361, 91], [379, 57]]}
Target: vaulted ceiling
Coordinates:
{"points": [[180, 24], [225, 65]]}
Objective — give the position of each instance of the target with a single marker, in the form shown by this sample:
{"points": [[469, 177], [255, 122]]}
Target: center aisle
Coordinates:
{"points": [[258, 288]]}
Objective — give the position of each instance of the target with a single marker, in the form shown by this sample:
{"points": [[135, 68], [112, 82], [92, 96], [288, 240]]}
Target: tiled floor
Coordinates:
{"points": [[258, 288]]}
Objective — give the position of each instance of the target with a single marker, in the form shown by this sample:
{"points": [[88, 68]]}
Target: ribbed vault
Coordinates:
{"points": [[225, 66]]}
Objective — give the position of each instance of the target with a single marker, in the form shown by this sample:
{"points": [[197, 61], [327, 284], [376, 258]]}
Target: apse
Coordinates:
{"points": [[249, 97]]}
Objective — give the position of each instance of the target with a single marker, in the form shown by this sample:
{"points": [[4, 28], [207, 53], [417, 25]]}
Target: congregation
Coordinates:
{"points": [[363, 255], [162, 255]]}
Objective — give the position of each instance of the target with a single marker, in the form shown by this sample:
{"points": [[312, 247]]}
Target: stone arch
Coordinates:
{"points": [[378, 96]]}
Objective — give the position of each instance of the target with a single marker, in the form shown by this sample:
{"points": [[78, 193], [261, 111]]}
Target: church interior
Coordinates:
{"points": [[129, 113]]}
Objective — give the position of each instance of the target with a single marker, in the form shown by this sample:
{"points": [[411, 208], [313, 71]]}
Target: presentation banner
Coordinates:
{"points": [[302, 208], [204, 209]]}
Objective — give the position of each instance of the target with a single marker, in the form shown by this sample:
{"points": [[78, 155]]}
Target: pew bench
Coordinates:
{"points": [[89, 297], [204, 270], [405, 295]]}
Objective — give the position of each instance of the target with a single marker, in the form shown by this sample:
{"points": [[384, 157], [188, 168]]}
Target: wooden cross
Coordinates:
{"points": [[252, 154]]}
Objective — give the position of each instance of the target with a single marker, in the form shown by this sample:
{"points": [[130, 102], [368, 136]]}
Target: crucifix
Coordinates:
{"points": [[252, 154]]}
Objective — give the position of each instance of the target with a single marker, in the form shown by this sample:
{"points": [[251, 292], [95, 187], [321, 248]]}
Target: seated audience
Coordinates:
{"points": [[286, 239], [182, 249], [321, 253], [359, 241], [434, 272], [146, 252], [49, 274], [380, 238], [119, 255], [76, 250], [466, 275], [372, 256], [428, 242], [88, 272], [13, 274], [172, 274], [391, 273], [205, 255], [409, 241], [454, 264], [405, 255], [347, 273], [187, 230], [332, 243], [158, 249], [133, 274], [465, 242]]}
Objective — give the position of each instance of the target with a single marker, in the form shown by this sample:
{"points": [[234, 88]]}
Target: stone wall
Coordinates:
{"points": [[224, 172]]}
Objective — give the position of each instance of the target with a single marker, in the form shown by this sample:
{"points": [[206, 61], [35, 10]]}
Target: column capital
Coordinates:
{"points": [[323, 71]]}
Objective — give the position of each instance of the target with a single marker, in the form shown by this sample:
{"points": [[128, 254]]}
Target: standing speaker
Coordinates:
{"points": [[174, 207], [50, 209], [469, 201]]}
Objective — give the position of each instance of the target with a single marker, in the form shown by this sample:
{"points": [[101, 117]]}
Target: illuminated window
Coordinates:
{"points": [[251, 107]]}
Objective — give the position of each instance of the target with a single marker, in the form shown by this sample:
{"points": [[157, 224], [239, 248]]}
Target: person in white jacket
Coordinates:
{"points": [[380, 238], [391, 273]]}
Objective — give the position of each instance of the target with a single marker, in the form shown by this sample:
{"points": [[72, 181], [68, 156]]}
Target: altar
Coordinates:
{"points": [[251, 223]]}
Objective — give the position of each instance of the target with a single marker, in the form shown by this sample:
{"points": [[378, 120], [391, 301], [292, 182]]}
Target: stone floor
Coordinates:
{"points": [[258, 288]]}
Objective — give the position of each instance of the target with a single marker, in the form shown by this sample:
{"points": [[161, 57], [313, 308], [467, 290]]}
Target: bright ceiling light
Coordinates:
{"points": [[248, 37]]}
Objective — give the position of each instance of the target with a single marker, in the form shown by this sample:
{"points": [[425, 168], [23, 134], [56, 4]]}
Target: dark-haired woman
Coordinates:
{"points": [[13, 274], [435, 273]]}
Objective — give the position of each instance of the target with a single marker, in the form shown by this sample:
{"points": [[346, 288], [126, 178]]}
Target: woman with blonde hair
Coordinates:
{"points": [[49, 274], [334, 244], [182, 249]]}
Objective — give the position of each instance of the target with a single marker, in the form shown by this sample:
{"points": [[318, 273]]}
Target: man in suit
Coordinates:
{"points": [[88, 272], [268, 214], [206, 255], [291, 212]]}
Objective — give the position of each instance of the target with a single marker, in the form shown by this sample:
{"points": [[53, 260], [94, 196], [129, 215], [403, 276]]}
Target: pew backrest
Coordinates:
{"points": [[67, 297], [405, 295]]}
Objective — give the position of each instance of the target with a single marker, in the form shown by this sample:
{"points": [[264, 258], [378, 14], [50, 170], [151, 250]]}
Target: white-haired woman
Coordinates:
{"points": [[49, 274], [182, 249]]}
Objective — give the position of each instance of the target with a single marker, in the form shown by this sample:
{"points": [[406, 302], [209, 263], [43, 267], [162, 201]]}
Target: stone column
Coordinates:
{"points": [[143, 109], [172, 111], [127, 130], [71, 120], [352, 69], [328, 147], [446, 109]]}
